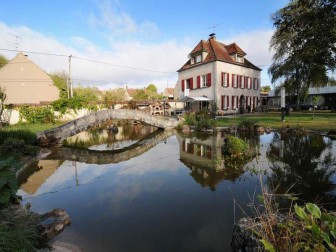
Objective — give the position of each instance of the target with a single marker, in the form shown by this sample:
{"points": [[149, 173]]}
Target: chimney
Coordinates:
{"points": [[212, 36]]}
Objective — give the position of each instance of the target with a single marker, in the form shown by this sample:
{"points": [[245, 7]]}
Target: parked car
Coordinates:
{"points": [[303, 106]]}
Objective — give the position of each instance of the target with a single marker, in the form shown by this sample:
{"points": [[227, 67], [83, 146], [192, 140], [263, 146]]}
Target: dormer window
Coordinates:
{"points": [[198, 59], [240, 59]]}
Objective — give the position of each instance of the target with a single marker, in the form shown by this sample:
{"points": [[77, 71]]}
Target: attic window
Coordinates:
{"points": [[198, 58], [240, 59]]}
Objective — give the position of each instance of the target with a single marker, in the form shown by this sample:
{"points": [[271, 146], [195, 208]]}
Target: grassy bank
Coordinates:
{"points": [[36, 127], [319, 122]]}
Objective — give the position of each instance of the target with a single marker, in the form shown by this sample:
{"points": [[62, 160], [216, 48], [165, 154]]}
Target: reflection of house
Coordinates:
{"points": [[26, 83], [201, 157], [222, 74], [35, 176]]}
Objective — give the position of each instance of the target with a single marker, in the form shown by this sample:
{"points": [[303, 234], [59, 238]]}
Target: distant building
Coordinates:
{"points": [[220, 74], [129, 94], [26, 83], [169, 93]]}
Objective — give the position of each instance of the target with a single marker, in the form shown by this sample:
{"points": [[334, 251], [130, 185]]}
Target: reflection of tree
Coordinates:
{"points": [[297, 165]]}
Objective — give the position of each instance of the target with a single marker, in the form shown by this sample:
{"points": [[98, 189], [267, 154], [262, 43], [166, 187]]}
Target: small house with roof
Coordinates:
{"points": [[219, 74], [26, 83], [168, 93]]}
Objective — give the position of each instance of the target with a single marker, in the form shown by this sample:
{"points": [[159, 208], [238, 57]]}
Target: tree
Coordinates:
{"points": [[151, 91], [140, 94], [304, 44], [3, 61], [90, 95], [60, 80], [110, 97], [3, 97], [265, 88]]}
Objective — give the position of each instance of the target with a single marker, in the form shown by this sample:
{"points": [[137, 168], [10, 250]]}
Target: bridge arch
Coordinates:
{"points": [[55, 136]]}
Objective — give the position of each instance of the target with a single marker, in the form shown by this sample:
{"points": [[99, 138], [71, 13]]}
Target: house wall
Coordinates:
{"points": [[26, 83], [216, 90]]}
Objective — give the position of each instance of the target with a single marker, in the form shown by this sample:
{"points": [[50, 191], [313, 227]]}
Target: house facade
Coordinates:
{"points": [[221, 74], [26, 83]]}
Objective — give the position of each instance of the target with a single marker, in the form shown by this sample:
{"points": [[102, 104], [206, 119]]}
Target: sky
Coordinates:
{"points": [[115, 43]]}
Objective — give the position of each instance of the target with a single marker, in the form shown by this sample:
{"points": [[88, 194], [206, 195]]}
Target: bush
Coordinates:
{"points": [[234, 146], [8, 183], [17, 147], [247, 123], [43, 114], [200, 119], [28, 136]]}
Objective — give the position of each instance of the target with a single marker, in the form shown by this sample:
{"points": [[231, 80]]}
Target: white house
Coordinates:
{"points": [[221, 74]]}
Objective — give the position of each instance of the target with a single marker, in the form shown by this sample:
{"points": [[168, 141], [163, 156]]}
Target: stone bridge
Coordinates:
{"points": [[55, 136], [110, 156]]}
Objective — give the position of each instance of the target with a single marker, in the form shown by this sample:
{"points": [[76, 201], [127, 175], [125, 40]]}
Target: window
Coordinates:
{"points": [[255, 84], [240, 59], [242, 83], [203, 81], [225, 102], [225, 79], [198, 59], [234, 80]]}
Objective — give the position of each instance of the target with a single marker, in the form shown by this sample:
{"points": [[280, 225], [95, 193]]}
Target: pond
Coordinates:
{"points": [[139, 189]]}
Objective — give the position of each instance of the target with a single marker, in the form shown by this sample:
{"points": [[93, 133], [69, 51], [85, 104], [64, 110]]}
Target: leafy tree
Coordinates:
{"points": [[90, 95], [140, 94], [151, 91], [304, 44], [110, 97], [265, 88], [60, 80], [3, 61]]}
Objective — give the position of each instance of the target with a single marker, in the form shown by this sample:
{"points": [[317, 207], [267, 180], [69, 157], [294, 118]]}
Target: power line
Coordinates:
{"points": [[111, 64], [42, 53]]}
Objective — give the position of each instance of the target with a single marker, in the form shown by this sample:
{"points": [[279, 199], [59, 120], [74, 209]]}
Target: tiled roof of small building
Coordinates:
{"points": [[217, 51]]}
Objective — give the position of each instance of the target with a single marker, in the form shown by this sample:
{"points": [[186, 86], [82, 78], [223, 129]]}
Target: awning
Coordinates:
{"points": [[194, 99]]}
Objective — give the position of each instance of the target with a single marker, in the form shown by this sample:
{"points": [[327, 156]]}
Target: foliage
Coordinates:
{"points": [[234, 146], [200, 119], [16, 146], [60, 80], [43, 114], [304, 54], [247, 123], [20, 230], [307, 228], [26, 135], [8, 183], [3, 61], [3, 97], [140, 94], [110, 97], [265, 88], [89, 95]]}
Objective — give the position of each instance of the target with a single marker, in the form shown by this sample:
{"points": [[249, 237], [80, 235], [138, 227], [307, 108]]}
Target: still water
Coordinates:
{"points": [[139, 189]]}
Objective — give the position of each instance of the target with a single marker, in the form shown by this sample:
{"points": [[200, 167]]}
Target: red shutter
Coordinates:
{"points": [[240, 81], [227, 101], [182, 85], [237, 101], [232, 101], [222, 102], [222, 80], [198, 81], [209, 79], [233, 77], [191, 83], [228, 80]]}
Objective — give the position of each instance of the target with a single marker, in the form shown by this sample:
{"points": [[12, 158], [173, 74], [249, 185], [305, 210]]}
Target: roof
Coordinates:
{"points": [[169, 91], [193, 99], [217, 51], [131, 91]]}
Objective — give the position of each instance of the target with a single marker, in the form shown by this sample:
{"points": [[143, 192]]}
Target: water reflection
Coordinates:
{"points": [[107, 138], [155, 192], [305, 165]]}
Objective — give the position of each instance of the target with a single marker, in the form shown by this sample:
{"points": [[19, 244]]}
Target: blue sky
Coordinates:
{"points": [[147, 34]]}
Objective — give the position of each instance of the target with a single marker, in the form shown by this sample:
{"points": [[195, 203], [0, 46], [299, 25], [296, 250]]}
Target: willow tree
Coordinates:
{"points": [[305, 45]]}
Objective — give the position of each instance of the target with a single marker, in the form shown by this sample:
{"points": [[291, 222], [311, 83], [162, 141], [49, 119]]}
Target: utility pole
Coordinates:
{"points": [[16, 43], [70, 93]]}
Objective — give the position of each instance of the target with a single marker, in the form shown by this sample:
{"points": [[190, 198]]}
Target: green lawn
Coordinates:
{"points": [[321, 121], [33, 127]]}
